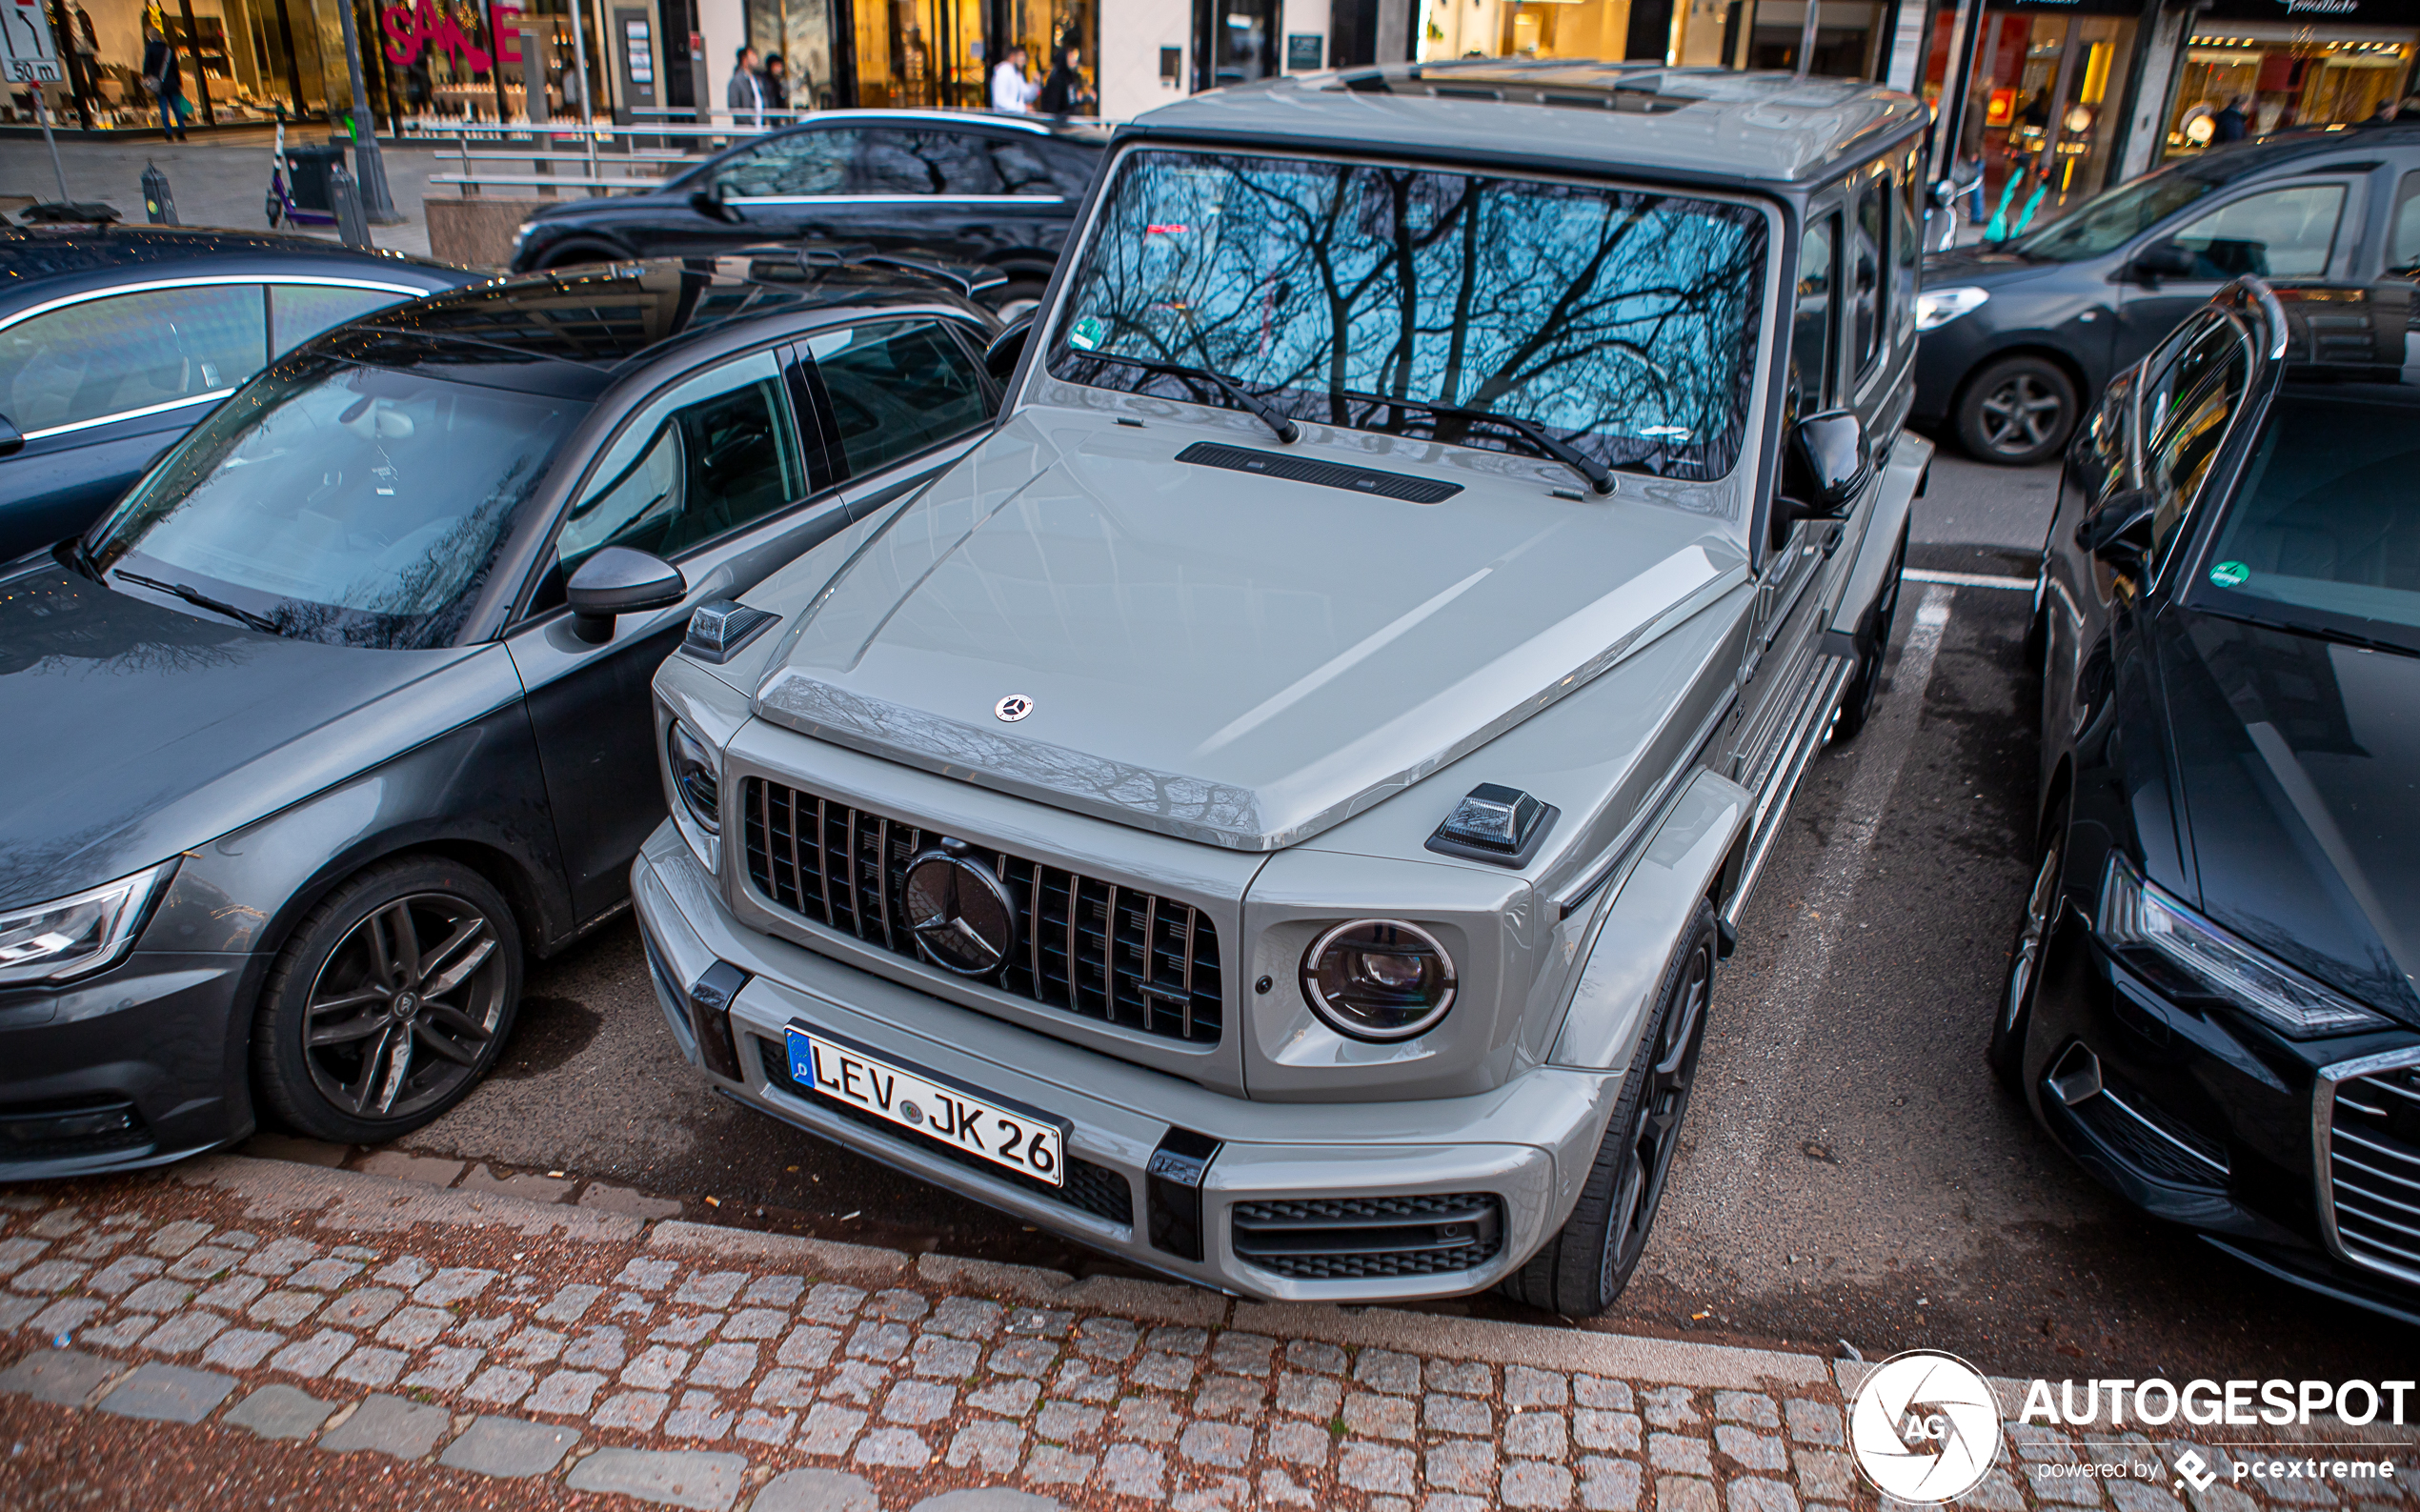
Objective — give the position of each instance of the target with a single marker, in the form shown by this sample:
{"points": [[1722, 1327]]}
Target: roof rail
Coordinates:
{"points": [[968, 279]]}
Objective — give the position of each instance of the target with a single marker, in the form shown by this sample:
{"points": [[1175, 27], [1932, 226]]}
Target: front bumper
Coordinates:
{"points": [[2200, 1117], [140, 1065], [1528, 1144]]}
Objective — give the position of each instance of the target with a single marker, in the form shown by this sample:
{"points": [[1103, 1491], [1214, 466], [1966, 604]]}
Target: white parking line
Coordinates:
{"points": [[1922, 575], [1732, 1148]]}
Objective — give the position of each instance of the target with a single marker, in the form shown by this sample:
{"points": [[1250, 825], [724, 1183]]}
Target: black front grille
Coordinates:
{"points": [[1083, 947], [1360, 1237], [1090, 1188], [2374, 1174]]}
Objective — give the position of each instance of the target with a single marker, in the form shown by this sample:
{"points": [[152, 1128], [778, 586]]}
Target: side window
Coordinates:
{"points": [[812, 162], [1044, 167], [897, 389], [300, 312], [104, 358], [1812, 317], [1907, 253], [2283, 234], [2402, 245], [1870, 265], [719, 452], [901, 162], [2187, 420]]}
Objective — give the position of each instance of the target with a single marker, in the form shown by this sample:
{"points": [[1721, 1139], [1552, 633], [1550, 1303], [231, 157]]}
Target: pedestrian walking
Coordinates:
{"points": [[2034, 178], [1012, 91], [745, 95], [2229, 125], [1063, 92], [777, 82], [160, 76]]}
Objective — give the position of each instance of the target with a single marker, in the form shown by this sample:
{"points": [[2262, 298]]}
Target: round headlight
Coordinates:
{"points": [[693, 777], [1379, 979]]}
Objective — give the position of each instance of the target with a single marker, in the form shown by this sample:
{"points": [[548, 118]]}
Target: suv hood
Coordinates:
{"points": [[2300, 764], [1239, 660], [139, 731]]}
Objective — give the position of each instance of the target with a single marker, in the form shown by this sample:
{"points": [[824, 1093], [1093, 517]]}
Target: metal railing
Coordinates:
{"points": [[608, 157]]}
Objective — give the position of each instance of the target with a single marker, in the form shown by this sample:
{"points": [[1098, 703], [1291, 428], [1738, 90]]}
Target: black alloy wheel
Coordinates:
{"points": [[2035, 918], [2017, 411], [1586, 1266], [391, 1002]]}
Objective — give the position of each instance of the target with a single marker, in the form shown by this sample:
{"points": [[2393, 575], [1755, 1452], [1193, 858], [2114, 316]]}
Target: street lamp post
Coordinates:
{"points": [[369, 169]]}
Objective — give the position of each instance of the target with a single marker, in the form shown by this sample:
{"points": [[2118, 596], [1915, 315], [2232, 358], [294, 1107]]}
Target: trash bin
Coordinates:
{"points": [[308, 182]]}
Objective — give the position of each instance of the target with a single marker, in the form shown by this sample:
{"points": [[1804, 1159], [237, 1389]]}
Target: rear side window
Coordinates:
{"points": [[113, 357], [2284, 234], [1870, 265], [300, 312], [897, 388], [804, 163], [1044, 167], [898, 162], [1813, 317], [2402, 243]]}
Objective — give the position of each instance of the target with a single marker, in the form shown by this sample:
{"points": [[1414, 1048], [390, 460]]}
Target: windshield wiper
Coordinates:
{"points": [[202, 600], [1529, 430], [1269, 414]]}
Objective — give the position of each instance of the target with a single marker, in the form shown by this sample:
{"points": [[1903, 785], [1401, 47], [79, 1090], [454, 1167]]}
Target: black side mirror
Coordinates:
{"points": [[710, 203], [1830, 461], [12, 439], [619, 581], [1001, 356], [2119, 532], [2160, 260]]}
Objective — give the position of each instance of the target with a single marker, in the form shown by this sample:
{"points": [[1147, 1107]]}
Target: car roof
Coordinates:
{"points": [[1081, 131], [1641, 119], [2350, 334], [576, 332], [34, 257], [2349, 145]]}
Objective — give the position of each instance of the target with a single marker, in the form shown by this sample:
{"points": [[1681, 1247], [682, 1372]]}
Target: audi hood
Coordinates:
{"points": [[1073, 615]]}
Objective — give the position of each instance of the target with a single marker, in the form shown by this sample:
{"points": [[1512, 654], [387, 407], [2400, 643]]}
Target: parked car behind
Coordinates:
{"points": [[2210, 1002], [2018, 341], [114, 340], [966, 185], [343, 713], [1272, 809]]}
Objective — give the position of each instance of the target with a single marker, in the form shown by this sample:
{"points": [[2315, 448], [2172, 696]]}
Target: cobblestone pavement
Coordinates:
{"points": [[472, 1337]]}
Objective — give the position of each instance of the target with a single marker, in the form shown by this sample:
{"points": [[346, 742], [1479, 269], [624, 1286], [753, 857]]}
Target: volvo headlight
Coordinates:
{"points": [[1938, 306], [696, 777], [1379, 979], [2135, 914], [76, 936]]}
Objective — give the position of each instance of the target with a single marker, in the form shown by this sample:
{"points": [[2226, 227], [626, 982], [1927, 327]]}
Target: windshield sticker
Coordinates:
{"points": [[2231, 574], [1086, 335]]}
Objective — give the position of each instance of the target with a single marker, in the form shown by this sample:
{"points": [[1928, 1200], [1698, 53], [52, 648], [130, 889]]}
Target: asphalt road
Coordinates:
{"points": [[1851, 1172]]}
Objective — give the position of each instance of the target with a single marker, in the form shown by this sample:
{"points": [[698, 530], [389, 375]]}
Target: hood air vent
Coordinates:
{"points": [[1327, 474]]}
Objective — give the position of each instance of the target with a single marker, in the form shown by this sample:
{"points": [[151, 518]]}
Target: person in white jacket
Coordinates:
{"points": [[1010, 89]]}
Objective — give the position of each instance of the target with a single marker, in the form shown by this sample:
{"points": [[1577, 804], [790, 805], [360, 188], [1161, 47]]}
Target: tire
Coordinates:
{"points": [[392, 1054], [2016, 412], [1015, 299], [2035, 917], [1856, 704], [1585, 1266]]}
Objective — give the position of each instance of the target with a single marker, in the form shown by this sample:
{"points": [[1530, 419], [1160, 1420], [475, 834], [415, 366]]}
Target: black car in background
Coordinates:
{"points": [[344, 711], [2210, 1002], [114, 340], [972, 187], [2019, 340]]}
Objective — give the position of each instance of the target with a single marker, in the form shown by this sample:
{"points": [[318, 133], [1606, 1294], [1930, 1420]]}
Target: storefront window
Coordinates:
{"points": [[1508, 28], [2249, 78], [2047, 90]]}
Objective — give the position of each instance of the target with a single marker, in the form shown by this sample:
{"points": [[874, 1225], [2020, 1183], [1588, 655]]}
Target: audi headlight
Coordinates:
{"points": [[1379, 979], [1938, 306], [78, 935], [2135, 914], [521, 233], [696, 777]]}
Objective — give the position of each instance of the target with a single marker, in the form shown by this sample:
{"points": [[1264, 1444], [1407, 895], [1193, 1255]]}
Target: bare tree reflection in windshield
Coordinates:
{"points": [[1620, 321]]}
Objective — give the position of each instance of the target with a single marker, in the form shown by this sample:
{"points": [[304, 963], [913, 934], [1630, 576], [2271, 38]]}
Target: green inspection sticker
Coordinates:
{"points": [[2231, 574], [1087, 333]]}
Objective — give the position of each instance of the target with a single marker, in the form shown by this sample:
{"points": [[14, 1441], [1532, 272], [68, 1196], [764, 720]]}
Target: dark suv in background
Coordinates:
{"points": [[2018, 340], [996, 189]]}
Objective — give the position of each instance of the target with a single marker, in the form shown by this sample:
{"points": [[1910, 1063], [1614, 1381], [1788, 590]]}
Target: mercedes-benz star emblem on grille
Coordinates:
{"points": [[1012, 708], [960, 914]]}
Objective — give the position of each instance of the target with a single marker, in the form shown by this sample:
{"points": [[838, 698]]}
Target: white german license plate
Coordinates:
{"points": [[1022, 1139]]}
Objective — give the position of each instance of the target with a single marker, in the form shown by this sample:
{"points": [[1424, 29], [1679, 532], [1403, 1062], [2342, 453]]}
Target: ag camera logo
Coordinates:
{"points": [[1925, 1428]]}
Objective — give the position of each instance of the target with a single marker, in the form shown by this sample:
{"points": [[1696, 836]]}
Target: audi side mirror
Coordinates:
{"points": [[12, 439], [619, 581], [1832, 461], [2161, 260], [2119, 532], [1000, 357]]}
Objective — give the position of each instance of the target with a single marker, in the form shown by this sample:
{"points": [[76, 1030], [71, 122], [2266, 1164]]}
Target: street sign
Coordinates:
{"points": [[28, 55]]}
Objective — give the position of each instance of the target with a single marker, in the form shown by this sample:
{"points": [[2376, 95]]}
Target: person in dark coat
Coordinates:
{"points": [[2229, 125], [777, 82], [1063, 92], [161, 77]]}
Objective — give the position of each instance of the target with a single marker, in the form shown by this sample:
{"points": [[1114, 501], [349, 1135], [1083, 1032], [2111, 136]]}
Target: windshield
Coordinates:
{"points": [[2325, 532], [2107, 222], [1621, 321], [358, 505]]}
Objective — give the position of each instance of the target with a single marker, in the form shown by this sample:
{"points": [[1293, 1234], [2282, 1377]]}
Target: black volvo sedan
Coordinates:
{"points": [[343, 711], [994, 190], [2210, 1002]]}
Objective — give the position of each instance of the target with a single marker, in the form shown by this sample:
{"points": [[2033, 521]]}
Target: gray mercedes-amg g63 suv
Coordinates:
{"points": [[1273, 808]]}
